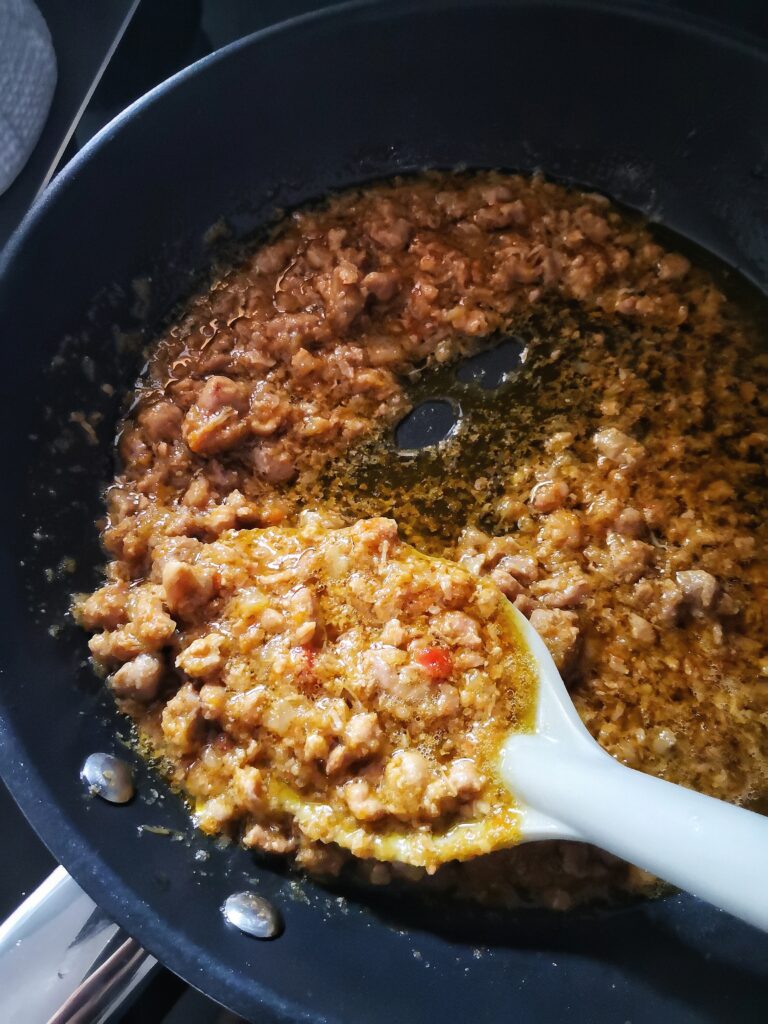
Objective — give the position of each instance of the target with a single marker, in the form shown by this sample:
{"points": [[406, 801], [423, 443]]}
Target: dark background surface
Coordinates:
{"points": [[162, 37]]}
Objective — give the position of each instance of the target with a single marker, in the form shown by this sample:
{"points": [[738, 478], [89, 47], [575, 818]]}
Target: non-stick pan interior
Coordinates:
{"points": [[664, 117]]}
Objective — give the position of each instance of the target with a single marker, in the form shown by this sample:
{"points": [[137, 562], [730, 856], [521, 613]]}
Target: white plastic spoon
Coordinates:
{"points": [[568, 787], [563, 785]]}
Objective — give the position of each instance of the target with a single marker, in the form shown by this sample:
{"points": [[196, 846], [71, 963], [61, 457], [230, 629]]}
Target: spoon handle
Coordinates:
{"points": [[708, 847]]}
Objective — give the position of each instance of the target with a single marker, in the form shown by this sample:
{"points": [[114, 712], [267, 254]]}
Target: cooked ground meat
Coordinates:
{"points": [[334, 671], [613, 490]]}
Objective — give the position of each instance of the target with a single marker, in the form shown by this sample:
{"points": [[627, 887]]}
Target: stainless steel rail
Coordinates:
{"points": [[62, 961]]}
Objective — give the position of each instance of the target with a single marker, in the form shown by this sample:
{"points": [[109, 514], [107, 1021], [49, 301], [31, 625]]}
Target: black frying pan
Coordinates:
{"points": [[666, 117]]}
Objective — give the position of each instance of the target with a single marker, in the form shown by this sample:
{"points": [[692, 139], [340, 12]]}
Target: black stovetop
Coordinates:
{"points": [[162, 37]]}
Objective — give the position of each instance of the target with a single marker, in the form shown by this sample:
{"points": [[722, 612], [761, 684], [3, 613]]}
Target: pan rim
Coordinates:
{"points": [[639, 10]]}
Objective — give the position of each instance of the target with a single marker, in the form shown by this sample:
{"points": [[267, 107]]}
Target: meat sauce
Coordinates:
{"points": [[613, 487]]}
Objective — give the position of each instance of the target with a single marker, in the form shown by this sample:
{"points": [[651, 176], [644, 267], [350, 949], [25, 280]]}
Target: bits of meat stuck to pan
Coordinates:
{"points": [[108, 777], [252, 914]]}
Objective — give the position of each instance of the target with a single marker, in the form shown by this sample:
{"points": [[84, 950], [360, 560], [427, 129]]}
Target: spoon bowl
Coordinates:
{"points": [[509, 762], [566, 787]]}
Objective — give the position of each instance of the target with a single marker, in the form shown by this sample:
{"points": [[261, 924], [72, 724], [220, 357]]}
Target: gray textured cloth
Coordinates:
{"points": [[27, 83]]}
